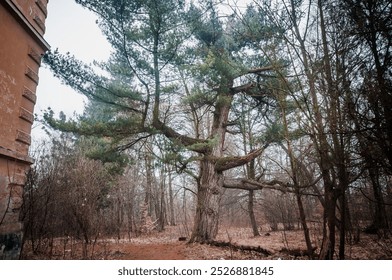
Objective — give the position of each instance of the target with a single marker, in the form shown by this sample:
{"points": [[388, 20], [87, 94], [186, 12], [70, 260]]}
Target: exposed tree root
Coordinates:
{"points": [[298, 252], [236, 247]]}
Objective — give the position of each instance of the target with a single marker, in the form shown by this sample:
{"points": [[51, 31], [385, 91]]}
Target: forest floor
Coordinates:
{"points": [[166, 246]]}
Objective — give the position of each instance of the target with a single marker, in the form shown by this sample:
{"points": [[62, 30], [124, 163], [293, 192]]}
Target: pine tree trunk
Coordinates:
{"points": [[211, 181], [208, 204]]}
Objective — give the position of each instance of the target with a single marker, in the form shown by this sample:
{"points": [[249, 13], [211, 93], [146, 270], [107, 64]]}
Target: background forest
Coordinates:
{"points": [[272, 115]]}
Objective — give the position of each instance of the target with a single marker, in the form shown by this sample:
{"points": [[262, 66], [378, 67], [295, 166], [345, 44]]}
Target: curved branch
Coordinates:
{"points": [[242, 88], [192, 144], [226, 163], [253, 185], [261, 69], [249, 185]]}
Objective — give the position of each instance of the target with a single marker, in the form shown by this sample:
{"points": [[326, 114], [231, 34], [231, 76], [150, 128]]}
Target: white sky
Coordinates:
{"points": [[70, 28]]}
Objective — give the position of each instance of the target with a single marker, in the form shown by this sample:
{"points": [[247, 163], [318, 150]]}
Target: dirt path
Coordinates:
{"points": [[174, 251]]}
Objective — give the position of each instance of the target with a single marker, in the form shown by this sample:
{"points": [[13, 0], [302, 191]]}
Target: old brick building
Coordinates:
{"points": [[22, 26]]}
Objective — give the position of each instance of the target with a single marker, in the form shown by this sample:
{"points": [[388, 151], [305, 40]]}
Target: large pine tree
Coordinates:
{"points": [[171, 60]]}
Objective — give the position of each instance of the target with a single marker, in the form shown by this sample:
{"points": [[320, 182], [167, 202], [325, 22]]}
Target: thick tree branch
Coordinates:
{"points": [[249, 184], [252, 185], [261, 69], [243, 88], [226, 163], [249, 86], [193, 144]]}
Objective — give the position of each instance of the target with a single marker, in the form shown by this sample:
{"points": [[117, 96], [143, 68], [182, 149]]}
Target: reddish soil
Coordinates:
{"points": [[175, 251]]}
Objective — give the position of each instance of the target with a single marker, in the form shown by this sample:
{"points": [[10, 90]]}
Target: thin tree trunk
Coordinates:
{"points": [[295, 169], [342, 237], [305, 228], [380, 221], [119, 218], [149, 180], [162, 204], [252, 214], [171, 201]]}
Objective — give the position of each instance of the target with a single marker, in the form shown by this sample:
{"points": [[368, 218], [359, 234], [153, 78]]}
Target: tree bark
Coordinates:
{"points": [[171, 200], [304, 225], [328, 243], [211, 180], [252, 214], [208, 203], [252, 175]]}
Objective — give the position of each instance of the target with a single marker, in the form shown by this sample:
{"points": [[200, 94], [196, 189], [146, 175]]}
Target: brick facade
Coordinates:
{"points": [[22, 26]]}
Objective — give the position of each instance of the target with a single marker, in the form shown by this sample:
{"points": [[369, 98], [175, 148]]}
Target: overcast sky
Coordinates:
{"points": [[70, 28]]}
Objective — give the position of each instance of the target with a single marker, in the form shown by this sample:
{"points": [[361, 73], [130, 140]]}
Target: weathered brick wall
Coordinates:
{"points": [[22, 25]]}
